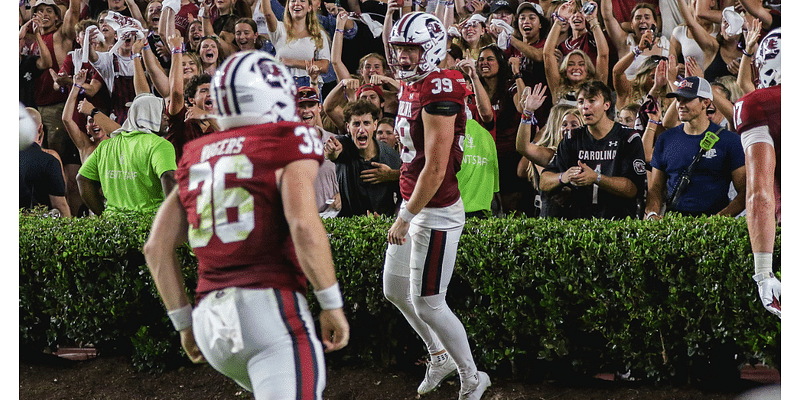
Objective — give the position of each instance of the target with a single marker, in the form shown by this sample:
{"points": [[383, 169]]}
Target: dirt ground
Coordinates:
{"points": [[112, 378]]}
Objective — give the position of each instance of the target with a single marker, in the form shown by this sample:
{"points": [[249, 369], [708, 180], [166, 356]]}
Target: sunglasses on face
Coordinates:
{"points": [[657, 59]]}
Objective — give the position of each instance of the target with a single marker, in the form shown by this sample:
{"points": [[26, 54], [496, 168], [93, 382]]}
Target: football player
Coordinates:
{"points": [[423, 240], [757, 117], [245, 202]]}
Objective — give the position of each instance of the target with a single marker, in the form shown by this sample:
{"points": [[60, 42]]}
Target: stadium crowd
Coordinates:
{"points": [[562, 109], [523, 64]]}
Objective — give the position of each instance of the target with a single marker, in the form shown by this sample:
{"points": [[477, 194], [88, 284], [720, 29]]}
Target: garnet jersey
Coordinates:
{"points": [[228, 188], [438, 86], [760, 108]]}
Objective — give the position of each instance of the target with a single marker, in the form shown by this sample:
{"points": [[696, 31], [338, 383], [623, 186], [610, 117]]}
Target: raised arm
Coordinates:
{"points": [[175, 76], [614, 29], [531, 101], [601, 66], [756, 9], [550, 61], [45, 60], [336, 47], [269, 14], [745, 76], [136, 12], [71, 16], [484, 102], [706, 42], [75, 133], [140, 83]]}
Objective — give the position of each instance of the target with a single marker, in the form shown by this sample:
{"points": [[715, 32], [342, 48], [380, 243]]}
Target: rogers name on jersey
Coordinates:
{"points": [[226, 146]]}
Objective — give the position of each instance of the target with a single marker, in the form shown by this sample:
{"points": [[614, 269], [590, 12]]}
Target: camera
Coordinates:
{"points": [[588, 8]]}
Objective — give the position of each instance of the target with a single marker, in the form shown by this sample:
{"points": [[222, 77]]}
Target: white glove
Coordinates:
{"points": [[769, 291]]}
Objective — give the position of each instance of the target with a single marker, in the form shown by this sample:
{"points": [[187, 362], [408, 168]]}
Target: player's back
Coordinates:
{"points": [[229, 189]]}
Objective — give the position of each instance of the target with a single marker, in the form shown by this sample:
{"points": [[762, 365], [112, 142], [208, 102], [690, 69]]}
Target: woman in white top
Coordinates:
{"points": [[299, 39]]}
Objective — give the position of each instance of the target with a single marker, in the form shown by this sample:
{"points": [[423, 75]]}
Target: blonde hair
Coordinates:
{"points": [[639, 87], [551, 133], [312, 24], [566, 85]]}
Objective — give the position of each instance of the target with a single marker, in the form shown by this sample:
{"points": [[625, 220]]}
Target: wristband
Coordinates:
{"points": [[747, 54], [406, 215], [518, 75], [559, 178], [764, 275], [181, 318], [146, 47], [636, 51], [558, 17], [82, 90], [137, 55], [650, 214], [179, 50], [652, 121], [340, 31], [330, 298], [597, 180]]}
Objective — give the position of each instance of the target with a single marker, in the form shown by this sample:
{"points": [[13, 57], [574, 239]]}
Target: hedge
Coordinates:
{"points": [[538, 297]]}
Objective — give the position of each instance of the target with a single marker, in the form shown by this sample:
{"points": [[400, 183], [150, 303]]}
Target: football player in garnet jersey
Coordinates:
{"points": [[424, 238], [245, 202], [757, 117]]}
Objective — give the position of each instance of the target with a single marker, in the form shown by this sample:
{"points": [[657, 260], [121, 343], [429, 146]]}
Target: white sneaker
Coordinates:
{"points": [[436, 373], [474, 388]]}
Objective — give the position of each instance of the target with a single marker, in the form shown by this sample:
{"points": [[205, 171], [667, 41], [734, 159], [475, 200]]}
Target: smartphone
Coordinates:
{"points": [[588, 8]]}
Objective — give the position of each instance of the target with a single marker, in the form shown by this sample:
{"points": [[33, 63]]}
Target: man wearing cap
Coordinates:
{"points": [[326, 186], [358, 153], [677, 148]]}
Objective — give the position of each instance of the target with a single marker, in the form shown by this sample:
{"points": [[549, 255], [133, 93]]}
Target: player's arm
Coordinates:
{"points": [[312, 248], [169, 232]]}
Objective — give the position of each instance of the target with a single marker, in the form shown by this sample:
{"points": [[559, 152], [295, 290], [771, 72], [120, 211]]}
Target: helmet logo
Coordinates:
{"points": [[435, 29], [769, 49], [271, 73]]}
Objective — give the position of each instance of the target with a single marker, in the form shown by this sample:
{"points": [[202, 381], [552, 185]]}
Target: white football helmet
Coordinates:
{"points": [[768, 59], [252, 88], [424, 30]]}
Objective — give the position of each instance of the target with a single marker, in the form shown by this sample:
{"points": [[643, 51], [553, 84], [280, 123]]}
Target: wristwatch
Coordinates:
{"points": [[94, 112]]}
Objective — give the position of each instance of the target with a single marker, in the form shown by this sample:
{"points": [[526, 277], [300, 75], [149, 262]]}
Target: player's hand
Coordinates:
{"points": [[398, 231], [769, 291], [334, 329], [190, 346], [381, 173]]}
